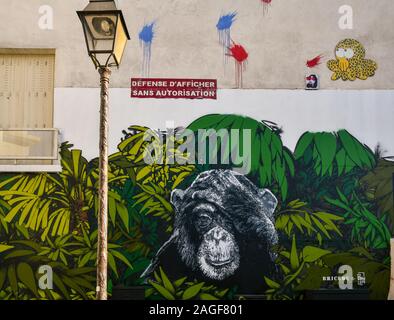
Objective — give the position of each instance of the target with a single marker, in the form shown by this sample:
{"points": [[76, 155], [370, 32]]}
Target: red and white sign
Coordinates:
{"points": [[173, 88]]}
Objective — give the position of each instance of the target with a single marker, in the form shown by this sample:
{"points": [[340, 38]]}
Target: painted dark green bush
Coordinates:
{"points": [[272, 164]]}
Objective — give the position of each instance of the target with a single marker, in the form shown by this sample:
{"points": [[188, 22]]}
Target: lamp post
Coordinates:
{"points": [[106, 36]]}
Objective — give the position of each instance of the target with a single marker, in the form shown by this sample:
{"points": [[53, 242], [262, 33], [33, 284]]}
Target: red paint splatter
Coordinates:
{"points": [[314, 62], [240, 56], [238, 52]]}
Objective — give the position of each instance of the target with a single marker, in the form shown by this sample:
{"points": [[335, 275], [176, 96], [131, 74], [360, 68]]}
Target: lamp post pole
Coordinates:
{"points": [[102, 246], [106, 36]]}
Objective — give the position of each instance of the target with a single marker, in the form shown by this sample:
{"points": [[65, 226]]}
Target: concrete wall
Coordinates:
{"points": [[186, 43]]}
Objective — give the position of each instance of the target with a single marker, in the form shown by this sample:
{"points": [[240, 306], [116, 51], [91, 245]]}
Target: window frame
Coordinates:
{"points": [[55, 158]]}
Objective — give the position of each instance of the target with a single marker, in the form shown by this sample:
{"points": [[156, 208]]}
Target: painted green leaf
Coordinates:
{"points": [[12, 278], [349, 165], [112, 210], [15, 210], [191, 292], [289, 161], [284, 189], [266, 160], [163, 291], [112, 264], [123, 214], [76, 157], [280, 171], [350, 145], [122, 258], [72, 284], [126, 145], [321, 227], [277, 146], [19, 253], [85, 259], [256, 150], [225, 123], [26, 275], [271, 283], [294, 259], [207, 121], [207, 296], [179, 282], [312, 254], [263, 177], [222, 293], [326, 144], [4, 247], [282, 221], [157, 277], [166, 282], [303, 143]]}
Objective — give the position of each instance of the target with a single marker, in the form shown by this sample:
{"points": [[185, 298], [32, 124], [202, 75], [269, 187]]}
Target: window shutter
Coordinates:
{"points": [[26, 90]]}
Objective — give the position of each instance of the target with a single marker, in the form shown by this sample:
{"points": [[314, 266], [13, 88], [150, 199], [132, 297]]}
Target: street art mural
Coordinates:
{"points": [[350, 63], [224, 30], [146, 37], [193, 230]]}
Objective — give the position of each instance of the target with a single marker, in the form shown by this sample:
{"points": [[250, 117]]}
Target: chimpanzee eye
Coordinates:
{"points": [[204, 221]]}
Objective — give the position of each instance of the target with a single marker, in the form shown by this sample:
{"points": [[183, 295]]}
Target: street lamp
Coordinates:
{"points": [[106, 36]]}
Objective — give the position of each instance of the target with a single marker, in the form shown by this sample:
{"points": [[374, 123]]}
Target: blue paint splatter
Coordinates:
{"points": [[224, 29], [146, 38], [226, 21], [147, 34]]}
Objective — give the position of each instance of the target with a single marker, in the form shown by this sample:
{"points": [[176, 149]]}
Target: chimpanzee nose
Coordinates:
{"points": [[219, 234]]}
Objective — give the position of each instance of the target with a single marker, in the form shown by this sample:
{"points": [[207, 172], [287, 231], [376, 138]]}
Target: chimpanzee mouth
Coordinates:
{"points": [[219, 263]]}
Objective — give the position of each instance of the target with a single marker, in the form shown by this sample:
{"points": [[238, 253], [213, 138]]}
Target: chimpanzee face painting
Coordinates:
{"points": [[223, 232]]}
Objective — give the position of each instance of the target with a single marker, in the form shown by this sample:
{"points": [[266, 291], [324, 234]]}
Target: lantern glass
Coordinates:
{"points": [[105, 33], [120, 42]]}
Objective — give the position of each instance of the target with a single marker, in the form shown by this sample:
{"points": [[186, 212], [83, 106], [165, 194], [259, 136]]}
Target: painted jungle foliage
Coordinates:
{"points": [[335, 207]]}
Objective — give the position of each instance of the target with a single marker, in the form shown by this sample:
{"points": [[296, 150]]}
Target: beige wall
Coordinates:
{"points": [[187, 45]]}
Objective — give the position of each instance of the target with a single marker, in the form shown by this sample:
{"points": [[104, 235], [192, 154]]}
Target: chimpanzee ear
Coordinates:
{"points": [[269, 200], [176, 197]]}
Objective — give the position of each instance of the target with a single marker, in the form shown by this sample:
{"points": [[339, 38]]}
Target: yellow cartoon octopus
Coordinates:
{"points": [[350, 63]]}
